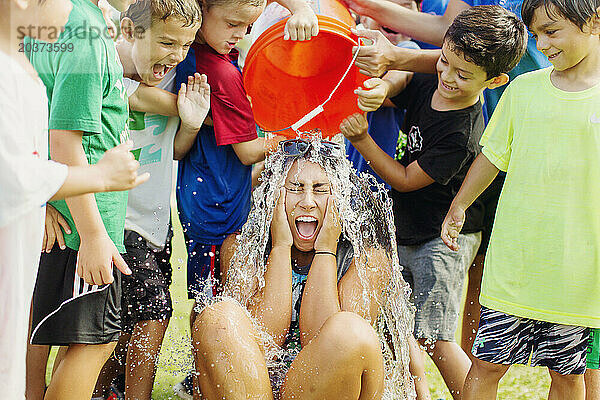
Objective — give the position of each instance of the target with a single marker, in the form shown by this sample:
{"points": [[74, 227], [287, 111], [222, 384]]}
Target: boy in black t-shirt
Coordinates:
{"points": [[444, 123]]}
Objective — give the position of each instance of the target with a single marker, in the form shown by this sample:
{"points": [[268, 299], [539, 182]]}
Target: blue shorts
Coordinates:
{"points": [[507, 339], [203, 269]]}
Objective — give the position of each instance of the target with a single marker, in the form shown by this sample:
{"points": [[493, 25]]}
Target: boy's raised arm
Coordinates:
{"points": [[403, 179], [479, 177], [193, 103], [153, 100], [97, 252]]}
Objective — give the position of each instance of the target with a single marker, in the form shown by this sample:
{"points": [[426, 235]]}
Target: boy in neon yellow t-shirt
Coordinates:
{"points": [[541, 284]]}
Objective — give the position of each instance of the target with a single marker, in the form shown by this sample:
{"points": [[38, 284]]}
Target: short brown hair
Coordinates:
{"points": [[144, 12], [206, 4], [491, 37]]}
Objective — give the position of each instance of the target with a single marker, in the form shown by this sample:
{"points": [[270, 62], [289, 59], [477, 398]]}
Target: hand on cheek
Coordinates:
{"points": [[329, 234]]}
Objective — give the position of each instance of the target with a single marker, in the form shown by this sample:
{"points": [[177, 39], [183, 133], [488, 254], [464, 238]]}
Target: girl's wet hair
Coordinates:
{"points": [[578, 12]]}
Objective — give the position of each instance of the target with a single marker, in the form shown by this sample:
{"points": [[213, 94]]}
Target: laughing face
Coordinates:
{"points": [[564, 43], [458, 78], [160, 48], [308, 189]]}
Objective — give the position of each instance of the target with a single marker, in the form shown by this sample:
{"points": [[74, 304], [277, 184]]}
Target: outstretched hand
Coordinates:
{"points": [[302, 24], [329, 234], [355, 127], [376, 58], [451, 227], [280, 227], [118, 169], [193, 101]]}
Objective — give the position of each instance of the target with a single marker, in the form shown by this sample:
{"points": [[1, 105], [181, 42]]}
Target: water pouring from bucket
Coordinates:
{"points": [[303, 85]]}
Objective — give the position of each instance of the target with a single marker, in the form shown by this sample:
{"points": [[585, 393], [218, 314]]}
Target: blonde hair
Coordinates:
{"points": [[144, 12]]}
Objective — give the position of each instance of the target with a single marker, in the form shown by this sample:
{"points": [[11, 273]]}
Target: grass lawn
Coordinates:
{"points": [[520, 383]]}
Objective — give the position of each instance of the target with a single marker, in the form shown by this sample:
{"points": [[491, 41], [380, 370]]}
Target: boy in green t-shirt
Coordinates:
{"points": [[76, 299], [541, 289]]}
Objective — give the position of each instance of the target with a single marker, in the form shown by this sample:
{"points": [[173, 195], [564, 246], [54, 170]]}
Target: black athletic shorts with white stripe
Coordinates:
{"points": [[506, 339], [66, 310]]}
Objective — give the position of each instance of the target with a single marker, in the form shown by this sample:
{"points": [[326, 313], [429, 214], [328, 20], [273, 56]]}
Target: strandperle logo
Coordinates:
{"points": [[83, 31]]}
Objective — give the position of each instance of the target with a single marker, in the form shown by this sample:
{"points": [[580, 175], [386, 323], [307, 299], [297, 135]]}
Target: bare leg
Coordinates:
{"points": [[452, 362], [592, 384], [566, 387], [35, 364], [229, 357], [142, 356], [343, 361], [472, 310], [37, 358], [76, 375], [417, 369], [113, 367], [482, 380]]}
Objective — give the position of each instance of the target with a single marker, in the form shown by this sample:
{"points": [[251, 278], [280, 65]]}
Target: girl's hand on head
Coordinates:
{"points": [[373, 95], [302, 24], [118, 169], [193, 102], [52, 231], [451, 227], [355, 127], [280, 227], [329, 234], [373, 59]]}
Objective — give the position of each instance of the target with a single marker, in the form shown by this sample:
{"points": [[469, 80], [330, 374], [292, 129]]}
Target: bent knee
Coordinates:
{"points": [[218, 321], [481, 367], [351, 331]]}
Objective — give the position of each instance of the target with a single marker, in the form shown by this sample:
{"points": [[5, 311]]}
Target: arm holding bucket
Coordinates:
{"points": [[381, 56], [401, 178], [303, 23], [376, 92], [415, 24]]}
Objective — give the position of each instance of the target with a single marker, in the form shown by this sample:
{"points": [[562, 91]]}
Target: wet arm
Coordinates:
{"points": [[272, 305], [320, 298]]}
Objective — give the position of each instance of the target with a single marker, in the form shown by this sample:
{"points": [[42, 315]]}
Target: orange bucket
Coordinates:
{"points": [[287, 79]]}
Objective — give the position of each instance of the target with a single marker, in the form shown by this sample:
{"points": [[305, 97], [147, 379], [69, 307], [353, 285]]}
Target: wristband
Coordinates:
{"points": [[325, 252]]}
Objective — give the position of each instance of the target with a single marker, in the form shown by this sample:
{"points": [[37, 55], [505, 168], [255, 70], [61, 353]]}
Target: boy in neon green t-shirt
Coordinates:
{"points": [[541, 284]]}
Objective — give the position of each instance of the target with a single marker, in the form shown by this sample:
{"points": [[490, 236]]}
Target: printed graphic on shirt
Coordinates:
{"points": [[415, 140], [138, 121]]}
